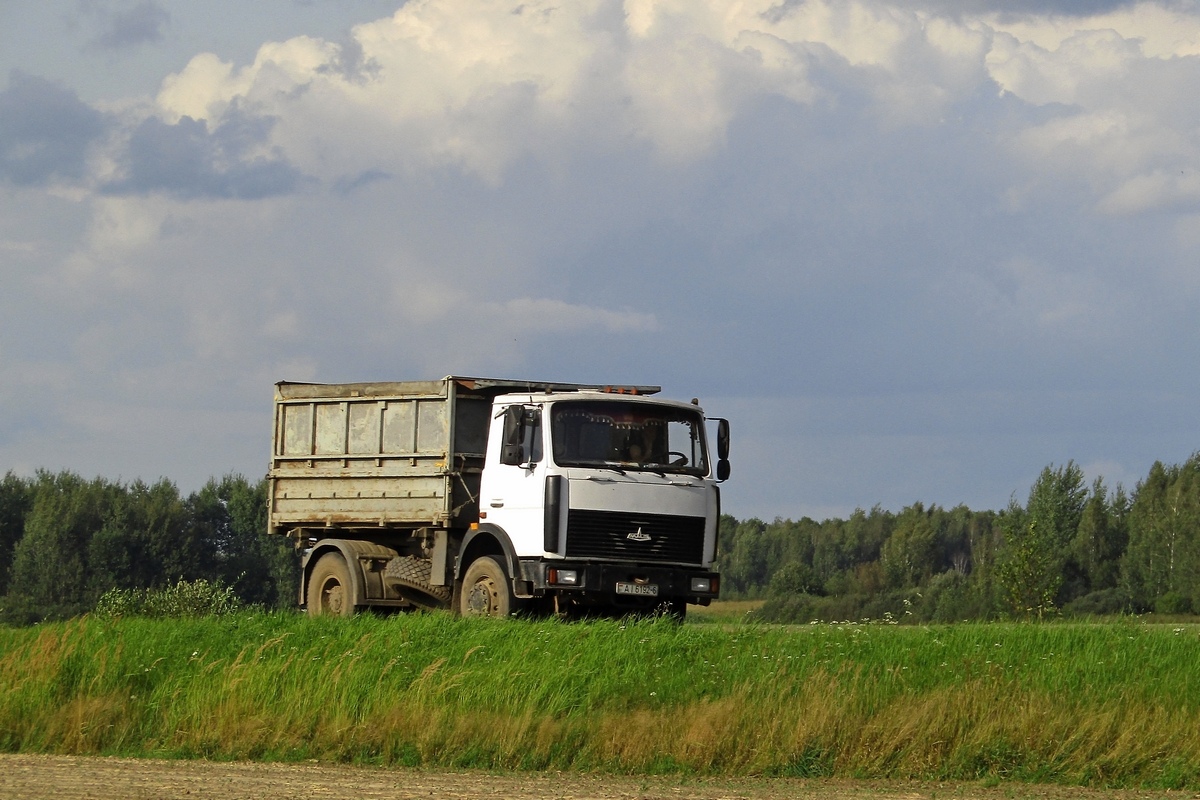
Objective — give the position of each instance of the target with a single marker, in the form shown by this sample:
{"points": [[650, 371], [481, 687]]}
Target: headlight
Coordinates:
{"points": [[704, 585], [563, 577]]}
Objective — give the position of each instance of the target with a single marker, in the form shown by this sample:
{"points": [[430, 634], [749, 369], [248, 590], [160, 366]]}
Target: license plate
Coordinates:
{"points": [[641, 589]]}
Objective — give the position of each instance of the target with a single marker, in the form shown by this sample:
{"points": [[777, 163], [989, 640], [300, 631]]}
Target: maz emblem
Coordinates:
{"points": [[638, 536]]}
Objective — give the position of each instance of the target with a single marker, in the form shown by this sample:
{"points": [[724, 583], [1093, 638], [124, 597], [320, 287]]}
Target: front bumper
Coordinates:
{"points": [[599, 582]]}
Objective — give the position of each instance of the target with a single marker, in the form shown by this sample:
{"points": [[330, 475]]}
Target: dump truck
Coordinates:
{"points": [[497, 497]]}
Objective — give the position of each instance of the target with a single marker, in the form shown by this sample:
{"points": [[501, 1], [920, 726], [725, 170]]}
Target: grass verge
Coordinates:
{"points": [[1102, 705]]}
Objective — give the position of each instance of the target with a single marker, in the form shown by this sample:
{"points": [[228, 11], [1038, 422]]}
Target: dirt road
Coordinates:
{"points": [[74, 778]]}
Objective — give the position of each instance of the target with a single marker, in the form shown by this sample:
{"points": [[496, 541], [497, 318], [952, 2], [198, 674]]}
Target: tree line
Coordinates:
{"points": [[65, 541], [1070, 548]]}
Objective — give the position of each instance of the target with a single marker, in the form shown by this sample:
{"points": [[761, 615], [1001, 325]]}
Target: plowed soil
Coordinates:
{"points": [[39, 777]]}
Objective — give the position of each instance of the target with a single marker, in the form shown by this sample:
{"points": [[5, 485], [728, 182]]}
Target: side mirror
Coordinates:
{"points": [[723, 470], [723, 439], [514, 436]]}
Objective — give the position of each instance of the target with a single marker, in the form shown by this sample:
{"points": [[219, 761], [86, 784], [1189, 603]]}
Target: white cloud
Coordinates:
{"points": [[482, 90], [1116, 80], [207, 86], [1156, 190], [430, 86], [439, 86], [1162, 30], [203, 89], [1064, 75], [120, 228]]}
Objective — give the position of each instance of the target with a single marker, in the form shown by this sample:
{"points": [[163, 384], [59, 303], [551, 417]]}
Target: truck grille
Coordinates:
{"points": [[637, 537]]}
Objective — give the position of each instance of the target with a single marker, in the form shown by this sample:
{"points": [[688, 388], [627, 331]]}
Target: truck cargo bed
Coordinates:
{"points": [[377, 455]]}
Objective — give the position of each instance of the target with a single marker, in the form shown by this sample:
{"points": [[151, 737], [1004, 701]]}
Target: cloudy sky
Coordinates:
{"points": [[914, 250]]}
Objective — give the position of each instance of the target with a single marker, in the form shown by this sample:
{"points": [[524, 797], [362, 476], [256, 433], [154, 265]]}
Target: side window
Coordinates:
{"points": [[533, 434], [685, 444]]}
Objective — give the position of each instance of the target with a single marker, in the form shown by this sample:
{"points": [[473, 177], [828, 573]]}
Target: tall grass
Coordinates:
{"points": [[1111, 705]]}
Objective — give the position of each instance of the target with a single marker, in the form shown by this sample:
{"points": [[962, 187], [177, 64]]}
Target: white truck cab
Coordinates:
{"points": [[602, 491]]}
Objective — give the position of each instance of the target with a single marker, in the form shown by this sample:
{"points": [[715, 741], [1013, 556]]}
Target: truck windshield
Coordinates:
{"points": [[633, 436]]}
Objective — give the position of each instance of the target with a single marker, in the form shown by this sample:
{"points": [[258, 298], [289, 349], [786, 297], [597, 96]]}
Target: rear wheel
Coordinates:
{"points": [[486, 590], [329, 589]]}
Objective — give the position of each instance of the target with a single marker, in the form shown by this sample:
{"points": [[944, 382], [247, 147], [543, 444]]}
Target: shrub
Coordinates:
{"points": [[1102, 603], [793, 578], [794, 609], [1173, 603], [198, 598], [20, 610], [805, 608]]}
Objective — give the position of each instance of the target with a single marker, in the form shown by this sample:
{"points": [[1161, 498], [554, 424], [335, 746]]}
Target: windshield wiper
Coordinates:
{"points": [[599, 465]]}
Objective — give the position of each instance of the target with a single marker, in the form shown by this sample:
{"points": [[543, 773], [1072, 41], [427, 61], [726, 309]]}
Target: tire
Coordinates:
{"points": [[330, 592], [486, 590]]}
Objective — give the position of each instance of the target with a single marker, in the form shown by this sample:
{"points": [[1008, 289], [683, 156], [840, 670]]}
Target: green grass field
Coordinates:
{"points": [[1099, 704]]}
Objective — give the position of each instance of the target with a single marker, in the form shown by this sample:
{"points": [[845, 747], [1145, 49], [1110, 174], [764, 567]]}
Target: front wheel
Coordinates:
{"points": [[329, 589], [486, 590]]}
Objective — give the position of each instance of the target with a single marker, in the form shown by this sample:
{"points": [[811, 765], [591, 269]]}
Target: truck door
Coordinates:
{"points": [[512, 491]]}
